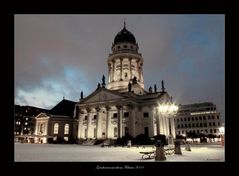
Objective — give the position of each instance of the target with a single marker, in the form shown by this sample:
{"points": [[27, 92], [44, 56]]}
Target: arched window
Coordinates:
{"points": [[56, 128], [66, 129]]}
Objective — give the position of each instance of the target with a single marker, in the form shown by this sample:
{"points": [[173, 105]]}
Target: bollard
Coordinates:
{"points": [[177, 144], [129, 143]]}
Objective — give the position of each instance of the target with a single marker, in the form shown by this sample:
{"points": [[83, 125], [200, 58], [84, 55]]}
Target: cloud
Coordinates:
{"points": [[64, 54]]}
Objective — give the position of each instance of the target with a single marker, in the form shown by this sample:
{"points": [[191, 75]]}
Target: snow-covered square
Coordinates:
{"points": [[81, 153]]}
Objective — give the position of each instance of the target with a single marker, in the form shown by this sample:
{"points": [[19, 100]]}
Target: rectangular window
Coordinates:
{"points": [[215, 130], [115, 115], [189, 125], [192, 118], [115, 132], [188, 119], [212, 117], [200, 118], [146, 114], [193, 125], [179, 132], [196, 118], [213, 124], [94, 116], [205, 124], [66, 129], [126, 114], [197, 125], [186, 125], [56, 128], [217, 117], [209, 117], [181, 119], [85, 117], [197, 131], [218, 123], [185, 119], [210, 124], [178, 126], [204, 118], [206, 131], [210, 130], [200, 124]]}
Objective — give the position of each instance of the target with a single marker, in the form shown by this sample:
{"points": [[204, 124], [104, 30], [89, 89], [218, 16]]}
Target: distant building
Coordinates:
{"points": [[57, 125], [199, 118], [24, 123]]}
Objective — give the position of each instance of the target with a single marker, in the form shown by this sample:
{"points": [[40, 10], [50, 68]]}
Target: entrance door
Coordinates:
{"points": [[146, 131]]}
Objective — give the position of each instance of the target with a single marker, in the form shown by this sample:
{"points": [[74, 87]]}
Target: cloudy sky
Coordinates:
{"points": [[60, 55]]}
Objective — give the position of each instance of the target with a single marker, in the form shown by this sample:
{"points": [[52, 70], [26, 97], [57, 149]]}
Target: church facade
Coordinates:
{"points": [[123, 106]]}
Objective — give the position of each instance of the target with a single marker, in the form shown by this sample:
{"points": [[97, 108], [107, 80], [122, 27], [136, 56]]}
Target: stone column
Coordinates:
{"points": [[157, 121], [80, 125], [98, 124], [119, 124], [130, 69], [132, 120], [121, 69], [161, 123], [108, 122], [138, 70], [89, 123], [109, 72], [151, 116], [173, 127], [166, 125], [113, 71], [141, 73], [36, 128]]}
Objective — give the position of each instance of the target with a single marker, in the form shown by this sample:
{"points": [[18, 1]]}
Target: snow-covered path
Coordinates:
{"points": [[64, 152]]}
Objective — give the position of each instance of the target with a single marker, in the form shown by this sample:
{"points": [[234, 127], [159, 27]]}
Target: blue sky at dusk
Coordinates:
{"points": [[60, 55]]}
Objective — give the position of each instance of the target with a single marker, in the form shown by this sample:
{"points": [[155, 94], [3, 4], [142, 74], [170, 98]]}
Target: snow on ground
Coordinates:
{"points": [[80, 153]]}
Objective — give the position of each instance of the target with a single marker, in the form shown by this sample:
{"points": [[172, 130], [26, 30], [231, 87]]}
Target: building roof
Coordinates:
{"points": [[64, 108], [124, 36], [28, 110]]}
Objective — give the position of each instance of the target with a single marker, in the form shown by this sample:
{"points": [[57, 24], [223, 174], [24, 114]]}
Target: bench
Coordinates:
{"points": [[149, 154], [169, 151]]}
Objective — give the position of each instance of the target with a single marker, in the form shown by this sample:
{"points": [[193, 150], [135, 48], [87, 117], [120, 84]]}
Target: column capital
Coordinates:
{"points": [[88, 109], [107, 108], [97, 108], [119, 107]]}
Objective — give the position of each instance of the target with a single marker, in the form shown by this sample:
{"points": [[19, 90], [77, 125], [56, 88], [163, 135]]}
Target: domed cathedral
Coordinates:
{"points": [[123, 107], [125, 63]]}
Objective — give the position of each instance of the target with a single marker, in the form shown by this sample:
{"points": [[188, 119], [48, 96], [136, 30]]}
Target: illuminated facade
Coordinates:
{"points": [[123, 106], [199, 118]]}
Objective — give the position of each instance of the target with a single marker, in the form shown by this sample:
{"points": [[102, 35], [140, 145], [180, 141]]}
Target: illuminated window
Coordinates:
{"points": [[26, 118], [25, 123], [56, 128], [66, 129]]}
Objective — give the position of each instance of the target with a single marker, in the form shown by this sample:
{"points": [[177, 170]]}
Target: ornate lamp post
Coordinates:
{"points": [[168, 110]]}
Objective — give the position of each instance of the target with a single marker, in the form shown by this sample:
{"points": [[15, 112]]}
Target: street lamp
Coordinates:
{"points": [[168, 109]]}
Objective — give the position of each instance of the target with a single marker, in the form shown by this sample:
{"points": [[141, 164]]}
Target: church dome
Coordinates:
{"points": [[124, 36]]}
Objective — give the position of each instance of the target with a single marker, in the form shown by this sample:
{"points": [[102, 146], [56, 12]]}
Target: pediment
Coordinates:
{"points": [[41, 115], [102, 95]]}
